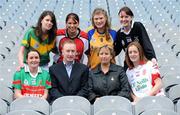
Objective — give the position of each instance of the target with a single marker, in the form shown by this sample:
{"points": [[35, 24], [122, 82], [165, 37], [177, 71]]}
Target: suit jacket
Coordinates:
{"points": [[62, 85]]}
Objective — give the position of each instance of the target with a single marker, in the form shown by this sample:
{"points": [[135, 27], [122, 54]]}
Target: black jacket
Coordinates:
{"points": [[62, 85], [137, 33], [114, 82]]}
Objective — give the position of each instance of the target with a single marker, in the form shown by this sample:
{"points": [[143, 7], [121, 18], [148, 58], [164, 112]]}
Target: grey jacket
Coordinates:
{"points": [[114, 82]]}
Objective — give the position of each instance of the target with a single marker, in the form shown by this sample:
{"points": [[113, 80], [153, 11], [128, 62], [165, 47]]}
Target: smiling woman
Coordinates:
{"points": [[31, 80], [41, 38], [73, 32], [132, 31], [143, 75], [100, 35]]}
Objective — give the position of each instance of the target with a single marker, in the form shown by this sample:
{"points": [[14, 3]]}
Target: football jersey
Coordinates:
{"points": [[142, 77], [29, 85], [98, 40], [31, 41], [81, 41]]}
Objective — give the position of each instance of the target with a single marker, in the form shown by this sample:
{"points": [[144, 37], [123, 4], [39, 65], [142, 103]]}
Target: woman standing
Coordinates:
{"points": [[132, 31], [100, 35], [73, 32], [41, 38]]}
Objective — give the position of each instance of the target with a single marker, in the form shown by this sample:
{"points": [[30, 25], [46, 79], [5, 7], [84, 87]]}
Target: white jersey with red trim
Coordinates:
{"points": [[141, 78]]}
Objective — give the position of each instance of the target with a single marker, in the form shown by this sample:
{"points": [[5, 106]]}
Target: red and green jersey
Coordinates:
{"points": [[31, 41], [29, 85]]}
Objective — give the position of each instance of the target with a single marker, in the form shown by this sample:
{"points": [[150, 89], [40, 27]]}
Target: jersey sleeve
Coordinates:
{"points": [[26, 40], [155, 72], [17, 80]]}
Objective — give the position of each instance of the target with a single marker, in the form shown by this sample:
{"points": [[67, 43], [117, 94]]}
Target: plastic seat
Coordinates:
{"points": [[115, 102], [3, 107], [30, 103], [178, 106], [23, 112], [174, 93], [6, 94], [113, 112], [72, 102], [159, 112], [68, 112], [153, 102], [170, 81]]}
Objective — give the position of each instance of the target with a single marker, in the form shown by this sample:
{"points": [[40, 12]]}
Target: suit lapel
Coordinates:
{"points": [[63, 71], [74, 71]]}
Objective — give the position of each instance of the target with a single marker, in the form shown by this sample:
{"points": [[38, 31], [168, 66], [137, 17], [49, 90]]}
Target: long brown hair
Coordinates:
{"points": [[51, 32], [141, 54], [98, 11]]}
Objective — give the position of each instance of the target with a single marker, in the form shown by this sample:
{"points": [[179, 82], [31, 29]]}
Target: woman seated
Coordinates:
{"points": [[143, 75], [31, 80], [107, 78]]}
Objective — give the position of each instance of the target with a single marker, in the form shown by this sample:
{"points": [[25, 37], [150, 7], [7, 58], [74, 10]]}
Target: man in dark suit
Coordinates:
{"points": [[68, 77]]}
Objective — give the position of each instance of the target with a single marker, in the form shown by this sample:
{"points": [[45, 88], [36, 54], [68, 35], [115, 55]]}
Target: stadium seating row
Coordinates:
{"points": [[107, 105]]}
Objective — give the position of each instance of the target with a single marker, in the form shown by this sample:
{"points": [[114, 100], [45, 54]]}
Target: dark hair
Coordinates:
{"points": [[127, 10], [111, 51], [72, 16], [51, 32], [141, 54], [33, 50], [107, 24]]}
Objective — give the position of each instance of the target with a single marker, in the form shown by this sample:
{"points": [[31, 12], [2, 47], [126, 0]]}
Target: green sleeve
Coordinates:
{"points": [[17, 80], [26, 40]]}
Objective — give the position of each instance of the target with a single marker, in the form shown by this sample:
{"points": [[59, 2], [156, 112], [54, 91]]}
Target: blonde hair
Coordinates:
{"points": [[98, 11], [111, 50]]}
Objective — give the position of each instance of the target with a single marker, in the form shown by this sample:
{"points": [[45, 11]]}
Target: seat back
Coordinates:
{"points": [[174, 93], [3, 107], [30, 103], [153, 102], [23, 112], [113, 112], [68, 112], [159, 112], [6, 94], [72, 102], [115, 102]]}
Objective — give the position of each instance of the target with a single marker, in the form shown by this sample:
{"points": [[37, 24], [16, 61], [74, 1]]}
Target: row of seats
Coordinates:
{"points": [[104, 105]]}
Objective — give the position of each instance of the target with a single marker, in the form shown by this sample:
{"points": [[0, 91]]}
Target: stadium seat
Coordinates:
{"points": [[72, 102], [174, 93], [178, 106], [113, 112], [115, 102], [68, 112], [6, 94], [170, 81], [24, 112], [3, 107], [153, 102], [30, 103], [159, 112]]}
